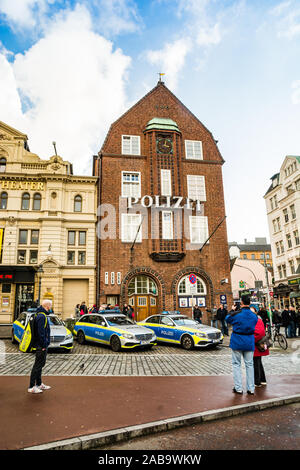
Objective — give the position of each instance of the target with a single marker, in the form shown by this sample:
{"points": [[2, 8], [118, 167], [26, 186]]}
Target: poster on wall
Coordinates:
{"points": [[201, 302], [183, 302]]}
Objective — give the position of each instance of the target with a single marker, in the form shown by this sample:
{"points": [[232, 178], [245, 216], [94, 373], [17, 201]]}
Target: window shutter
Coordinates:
{"points": [[196, 187], [165, 179], [198, 229], [193, 149], [167, 225]]}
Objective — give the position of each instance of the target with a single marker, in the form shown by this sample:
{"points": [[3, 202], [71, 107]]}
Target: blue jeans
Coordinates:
{"points": [[237, 369], [214, 323]]}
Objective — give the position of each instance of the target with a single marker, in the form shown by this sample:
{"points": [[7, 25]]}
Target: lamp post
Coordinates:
{"points": [[40, 272]]}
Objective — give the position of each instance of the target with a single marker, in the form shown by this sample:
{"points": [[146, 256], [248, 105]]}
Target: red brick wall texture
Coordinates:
{"points": [[212, 263]]}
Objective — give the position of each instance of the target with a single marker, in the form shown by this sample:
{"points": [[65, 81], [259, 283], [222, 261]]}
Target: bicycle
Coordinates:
{"points": [[274, 336]]}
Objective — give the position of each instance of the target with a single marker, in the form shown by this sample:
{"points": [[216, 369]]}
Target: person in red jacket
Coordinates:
{"points": [[259, 373]]}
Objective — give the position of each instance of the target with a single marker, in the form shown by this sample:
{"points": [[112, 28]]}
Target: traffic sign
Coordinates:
{"points": [[192, 279]]}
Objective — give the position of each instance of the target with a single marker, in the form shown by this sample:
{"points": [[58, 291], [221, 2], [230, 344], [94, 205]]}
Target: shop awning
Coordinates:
{"points": [[294, 295]]}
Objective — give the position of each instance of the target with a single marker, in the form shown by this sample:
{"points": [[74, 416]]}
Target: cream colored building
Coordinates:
{"points": [[47, 230]]}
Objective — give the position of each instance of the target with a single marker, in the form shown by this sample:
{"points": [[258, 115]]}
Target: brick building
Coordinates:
{"points": [[160, 198]]}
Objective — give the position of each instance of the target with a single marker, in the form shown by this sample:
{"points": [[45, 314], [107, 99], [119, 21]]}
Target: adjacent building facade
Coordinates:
{"points": [[47, 230], [283, 212], [162, 239]]}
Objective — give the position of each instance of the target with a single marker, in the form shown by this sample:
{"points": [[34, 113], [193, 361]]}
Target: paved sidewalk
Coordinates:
{"points": [[81, 406]]}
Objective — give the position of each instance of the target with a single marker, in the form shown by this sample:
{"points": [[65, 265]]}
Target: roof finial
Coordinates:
{"points": [[160, 75]]}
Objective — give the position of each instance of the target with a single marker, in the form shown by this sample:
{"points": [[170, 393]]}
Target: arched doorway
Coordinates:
{"points": [[143, 296]]}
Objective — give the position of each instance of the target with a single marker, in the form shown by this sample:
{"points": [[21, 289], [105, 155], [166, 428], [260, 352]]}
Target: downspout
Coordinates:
{"points": [[99, 158]]}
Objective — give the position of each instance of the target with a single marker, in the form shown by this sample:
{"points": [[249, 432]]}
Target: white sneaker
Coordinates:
{"points": [[43, 387], [35, 389]]}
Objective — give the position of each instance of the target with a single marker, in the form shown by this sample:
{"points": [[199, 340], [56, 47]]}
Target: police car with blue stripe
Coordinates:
{"points": [[174, 328], [60, 336], [114, 329]]}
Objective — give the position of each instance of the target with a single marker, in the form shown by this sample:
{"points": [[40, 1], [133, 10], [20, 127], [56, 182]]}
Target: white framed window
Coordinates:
{"points": [[130, 226], [198, 228], [131, 145], [193, 149], [167, 225], [185, 287], [131, 184], [119, 278], [196, 187], [165, 179], [112, 278], [106, 278]]}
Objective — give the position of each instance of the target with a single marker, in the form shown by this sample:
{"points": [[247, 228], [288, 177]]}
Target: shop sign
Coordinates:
{"points": [[170, 202], [293, 282], [23, 185], [6, 277]]}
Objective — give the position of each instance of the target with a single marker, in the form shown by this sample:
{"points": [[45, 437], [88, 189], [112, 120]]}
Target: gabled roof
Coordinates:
{"points": [[154, 90]]}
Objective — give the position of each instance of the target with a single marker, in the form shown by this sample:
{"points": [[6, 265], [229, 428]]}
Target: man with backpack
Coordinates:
{"points": [[41, 341]]}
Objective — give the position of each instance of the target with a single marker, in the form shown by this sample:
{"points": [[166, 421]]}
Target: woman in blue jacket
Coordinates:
{"points": [[242, 344]]}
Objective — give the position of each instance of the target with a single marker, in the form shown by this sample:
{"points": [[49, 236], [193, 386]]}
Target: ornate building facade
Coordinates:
{"points": [[161, 215], [47, 230]]}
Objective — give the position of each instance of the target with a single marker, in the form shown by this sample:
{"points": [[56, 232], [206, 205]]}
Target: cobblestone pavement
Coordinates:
{"points": [[161, 361]]}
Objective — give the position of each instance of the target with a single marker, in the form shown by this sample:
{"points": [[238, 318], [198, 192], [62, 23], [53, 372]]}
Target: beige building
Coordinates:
{"points": [[47, 230]]}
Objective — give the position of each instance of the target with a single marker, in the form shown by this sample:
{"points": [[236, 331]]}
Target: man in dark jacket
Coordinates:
{"points": [[41, 342], [286, 321], [221, 315], [242, 344], [197, 314]]}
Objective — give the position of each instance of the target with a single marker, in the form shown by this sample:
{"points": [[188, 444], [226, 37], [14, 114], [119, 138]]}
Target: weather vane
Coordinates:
{"points": [[160, 75]]}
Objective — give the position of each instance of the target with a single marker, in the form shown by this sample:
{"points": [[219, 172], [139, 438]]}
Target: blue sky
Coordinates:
{"points": [[69, 68]]}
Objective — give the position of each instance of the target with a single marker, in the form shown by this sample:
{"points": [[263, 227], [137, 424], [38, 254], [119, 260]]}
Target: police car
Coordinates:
{"points": [[174, 328], [113, 329], [60, 336]]}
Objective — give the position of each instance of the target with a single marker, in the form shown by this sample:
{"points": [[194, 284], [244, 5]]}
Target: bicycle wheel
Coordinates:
{"points": [[282, 341]]}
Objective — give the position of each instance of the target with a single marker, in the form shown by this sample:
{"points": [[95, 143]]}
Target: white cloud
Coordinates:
{"points": [[288, 19], [74, 83], [23, 13], [170, 59]]}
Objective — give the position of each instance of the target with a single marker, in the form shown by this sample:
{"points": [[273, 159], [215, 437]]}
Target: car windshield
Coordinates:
{"points": [[118, 320], [55, 320], [179, 321]]}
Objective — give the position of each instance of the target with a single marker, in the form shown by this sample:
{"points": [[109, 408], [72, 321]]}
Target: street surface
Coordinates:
{"points": [[273, 429], [91, 359]]}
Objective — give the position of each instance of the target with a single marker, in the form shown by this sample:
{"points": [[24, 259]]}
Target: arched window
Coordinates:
{"points": [[78, 203], [3, 200], [2, 165], [25, 202], [184, 286], [142, 285], [37, 202]]}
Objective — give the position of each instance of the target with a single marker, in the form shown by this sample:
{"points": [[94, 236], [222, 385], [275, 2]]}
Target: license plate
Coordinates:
{"points": [[54, 345], [144, 342]]}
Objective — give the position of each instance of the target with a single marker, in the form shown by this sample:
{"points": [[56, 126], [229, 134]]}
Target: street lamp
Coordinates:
{"points": [[40, 271]]}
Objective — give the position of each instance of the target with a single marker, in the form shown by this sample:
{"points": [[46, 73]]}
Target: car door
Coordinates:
{"points": [[167, 330], [154, 324], [101, 331]]}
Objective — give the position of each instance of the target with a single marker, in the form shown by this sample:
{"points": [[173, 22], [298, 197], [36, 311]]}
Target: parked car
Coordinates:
{"points": [[113, 329], [60, 336], [172, 328]]}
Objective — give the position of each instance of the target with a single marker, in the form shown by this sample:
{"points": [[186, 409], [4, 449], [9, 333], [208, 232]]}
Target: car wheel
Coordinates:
{"points": [[80, 337], [187, 342], [13, 340], [115, 344]]}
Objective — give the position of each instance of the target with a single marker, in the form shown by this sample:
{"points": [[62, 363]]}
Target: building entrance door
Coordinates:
{"points": [[24, 298], [142, 292]]}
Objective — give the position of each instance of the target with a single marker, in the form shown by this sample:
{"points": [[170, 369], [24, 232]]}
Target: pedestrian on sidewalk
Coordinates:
{"points": [[286, 321], [259, 373], [41, 341], [212, 316], [221, 315], [197, 314], [243, 323]]}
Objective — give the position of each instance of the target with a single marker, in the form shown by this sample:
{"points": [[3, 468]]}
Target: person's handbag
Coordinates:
{"points": [[263, 344]]}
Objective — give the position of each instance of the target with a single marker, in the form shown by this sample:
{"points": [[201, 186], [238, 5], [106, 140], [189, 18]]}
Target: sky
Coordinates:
{"points": [[68, 69]]}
